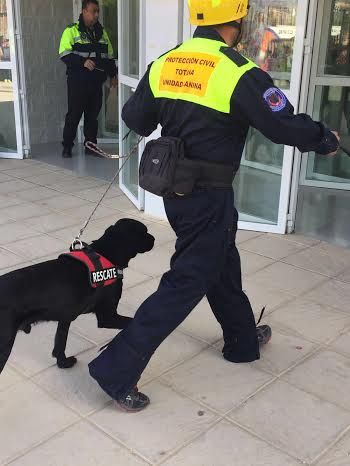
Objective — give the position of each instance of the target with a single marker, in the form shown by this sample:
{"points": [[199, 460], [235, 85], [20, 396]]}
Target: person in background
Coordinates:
{"points": [[87, 52]]}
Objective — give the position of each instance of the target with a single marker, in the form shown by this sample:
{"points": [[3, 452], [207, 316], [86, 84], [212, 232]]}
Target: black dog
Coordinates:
{"points": [[60, 290]]}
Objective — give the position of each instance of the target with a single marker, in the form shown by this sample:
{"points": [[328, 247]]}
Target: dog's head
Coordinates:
{"points": [[123, 241]]}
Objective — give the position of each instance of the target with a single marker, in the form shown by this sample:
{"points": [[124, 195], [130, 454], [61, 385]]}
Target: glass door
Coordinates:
{"points": [[11, 145], [108, 119], [274, 40], [324, 194], [130, 70]]}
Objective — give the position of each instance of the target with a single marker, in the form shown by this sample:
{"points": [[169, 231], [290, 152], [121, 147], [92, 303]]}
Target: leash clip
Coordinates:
{"points": [[77, 245]]}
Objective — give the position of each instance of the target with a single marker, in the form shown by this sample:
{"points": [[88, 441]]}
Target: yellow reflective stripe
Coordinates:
{"points": [[110, 46], [198, 72], [67, 40]]}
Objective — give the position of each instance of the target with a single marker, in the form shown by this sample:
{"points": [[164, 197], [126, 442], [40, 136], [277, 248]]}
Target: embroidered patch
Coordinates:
{"points": [[275, 99]]}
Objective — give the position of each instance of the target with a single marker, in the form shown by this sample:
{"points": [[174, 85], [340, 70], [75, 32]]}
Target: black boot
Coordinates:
{"points": [[67, 153], [134, 402], [264, 332]]}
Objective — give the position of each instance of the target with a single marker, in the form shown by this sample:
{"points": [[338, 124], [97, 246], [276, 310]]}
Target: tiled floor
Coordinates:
{"points": [[290, 408]]}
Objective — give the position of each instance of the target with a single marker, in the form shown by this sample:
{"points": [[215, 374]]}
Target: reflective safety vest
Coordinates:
{"points": [[75, 41], [201, 71]]}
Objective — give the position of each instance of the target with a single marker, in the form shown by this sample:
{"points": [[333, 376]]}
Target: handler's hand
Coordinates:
{"points": [[336, 134], [114, 83], [90, 65]]}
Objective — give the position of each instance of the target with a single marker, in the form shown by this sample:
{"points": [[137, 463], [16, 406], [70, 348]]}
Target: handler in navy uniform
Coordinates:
{"points": [[207, 94]]}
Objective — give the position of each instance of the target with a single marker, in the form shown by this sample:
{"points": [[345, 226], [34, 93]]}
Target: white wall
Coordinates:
{"points": [[163, 31]]}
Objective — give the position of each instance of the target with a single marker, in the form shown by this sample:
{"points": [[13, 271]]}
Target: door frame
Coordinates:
{"points": [[12, 65], [131, 83], [315, 81]]}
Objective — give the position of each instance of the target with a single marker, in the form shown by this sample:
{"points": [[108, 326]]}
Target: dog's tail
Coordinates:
{"points": [[8, 332]]}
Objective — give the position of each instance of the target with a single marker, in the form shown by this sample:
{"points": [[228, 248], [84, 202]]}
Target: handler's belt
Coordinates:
{"points": [[165, 171], [101, 271]]}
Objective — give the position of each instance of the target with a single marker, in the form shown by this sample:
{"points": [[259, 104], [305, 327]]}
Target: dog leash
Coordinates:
{"points": [[77, 243]]}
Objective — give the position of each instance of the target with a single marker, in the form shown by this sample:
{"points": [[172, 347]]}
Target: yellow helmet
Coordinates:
{"points": [[209, 12]]}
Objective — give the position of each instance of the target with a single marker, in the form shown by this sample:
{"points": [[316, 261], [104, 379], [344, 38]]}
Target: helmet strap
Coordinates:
{"points": [[238, 26]]}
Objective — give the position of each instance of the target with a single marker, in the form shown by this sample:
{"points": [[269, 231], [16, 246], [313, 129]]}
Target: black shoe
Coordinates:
{"points": [[67, 153], [134, 402], [264, 334]]}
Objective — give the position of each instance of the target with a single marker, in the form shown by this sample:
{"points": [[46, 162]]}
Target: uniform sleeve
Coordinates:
{"points": [[266, 108], [110, 46], [66, 50], [140, 112]]}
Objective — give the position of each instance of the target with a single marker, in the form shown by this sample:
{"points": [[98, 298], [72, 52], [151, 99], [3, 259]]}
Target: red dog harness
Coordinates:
{"points": [[101, 271]]}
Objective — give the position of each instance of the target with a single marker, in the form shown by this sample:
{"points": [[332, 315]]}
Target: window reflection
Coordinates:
{"points": [[335, 53], [269, 37], [4, 39], [8, 142]]}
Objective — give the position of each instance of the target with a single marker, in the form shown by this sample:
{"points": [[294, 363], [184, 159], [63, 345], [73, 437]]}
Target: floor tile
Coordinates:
{"points": [[326, 375], [95, 194], [8, 378], [202, 324], [32, 353], [309, 320], [36, 193], [287, 278], [133, 278], [74, 387], [134, 297], [22, 265], [53, 221], [317, 261], [338, 455], [300, 239], [76, 184], [210, 379], [83, 213], [153, 263], [251, 262], [8, 187], [30, 416], [161, 428], [86, 325], [272, 247], [9, 200], [26, 210], [344, 276], [38, 246], [282, 352], [333, 293], [245, 235], [262, 296], [51, 179], [15, 231], [342, 344], [8, 259], [226, 444], [299, 423], [176, 348], [74, 447], [163, 234], [64, 202], [26, 172]]}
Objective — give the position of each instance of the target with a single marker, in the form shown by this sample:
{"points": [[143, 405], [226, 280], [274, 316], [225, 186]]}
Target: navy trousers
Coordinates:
{"points": [[206, 263]]}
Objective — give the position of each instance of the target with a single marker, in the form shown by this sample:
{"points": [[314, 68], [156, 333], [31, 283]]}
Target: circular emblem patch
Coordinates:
{"points": [[275, 99]]}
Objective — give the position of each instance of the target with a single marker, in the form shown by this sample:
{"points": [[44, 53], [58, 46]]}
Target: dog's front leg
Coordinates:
{"points": [[60, 346]]}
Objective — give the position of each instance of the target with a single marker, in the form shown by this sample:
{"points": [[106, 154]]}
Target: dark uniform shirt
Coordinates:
{"points": [[218, 137]]}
